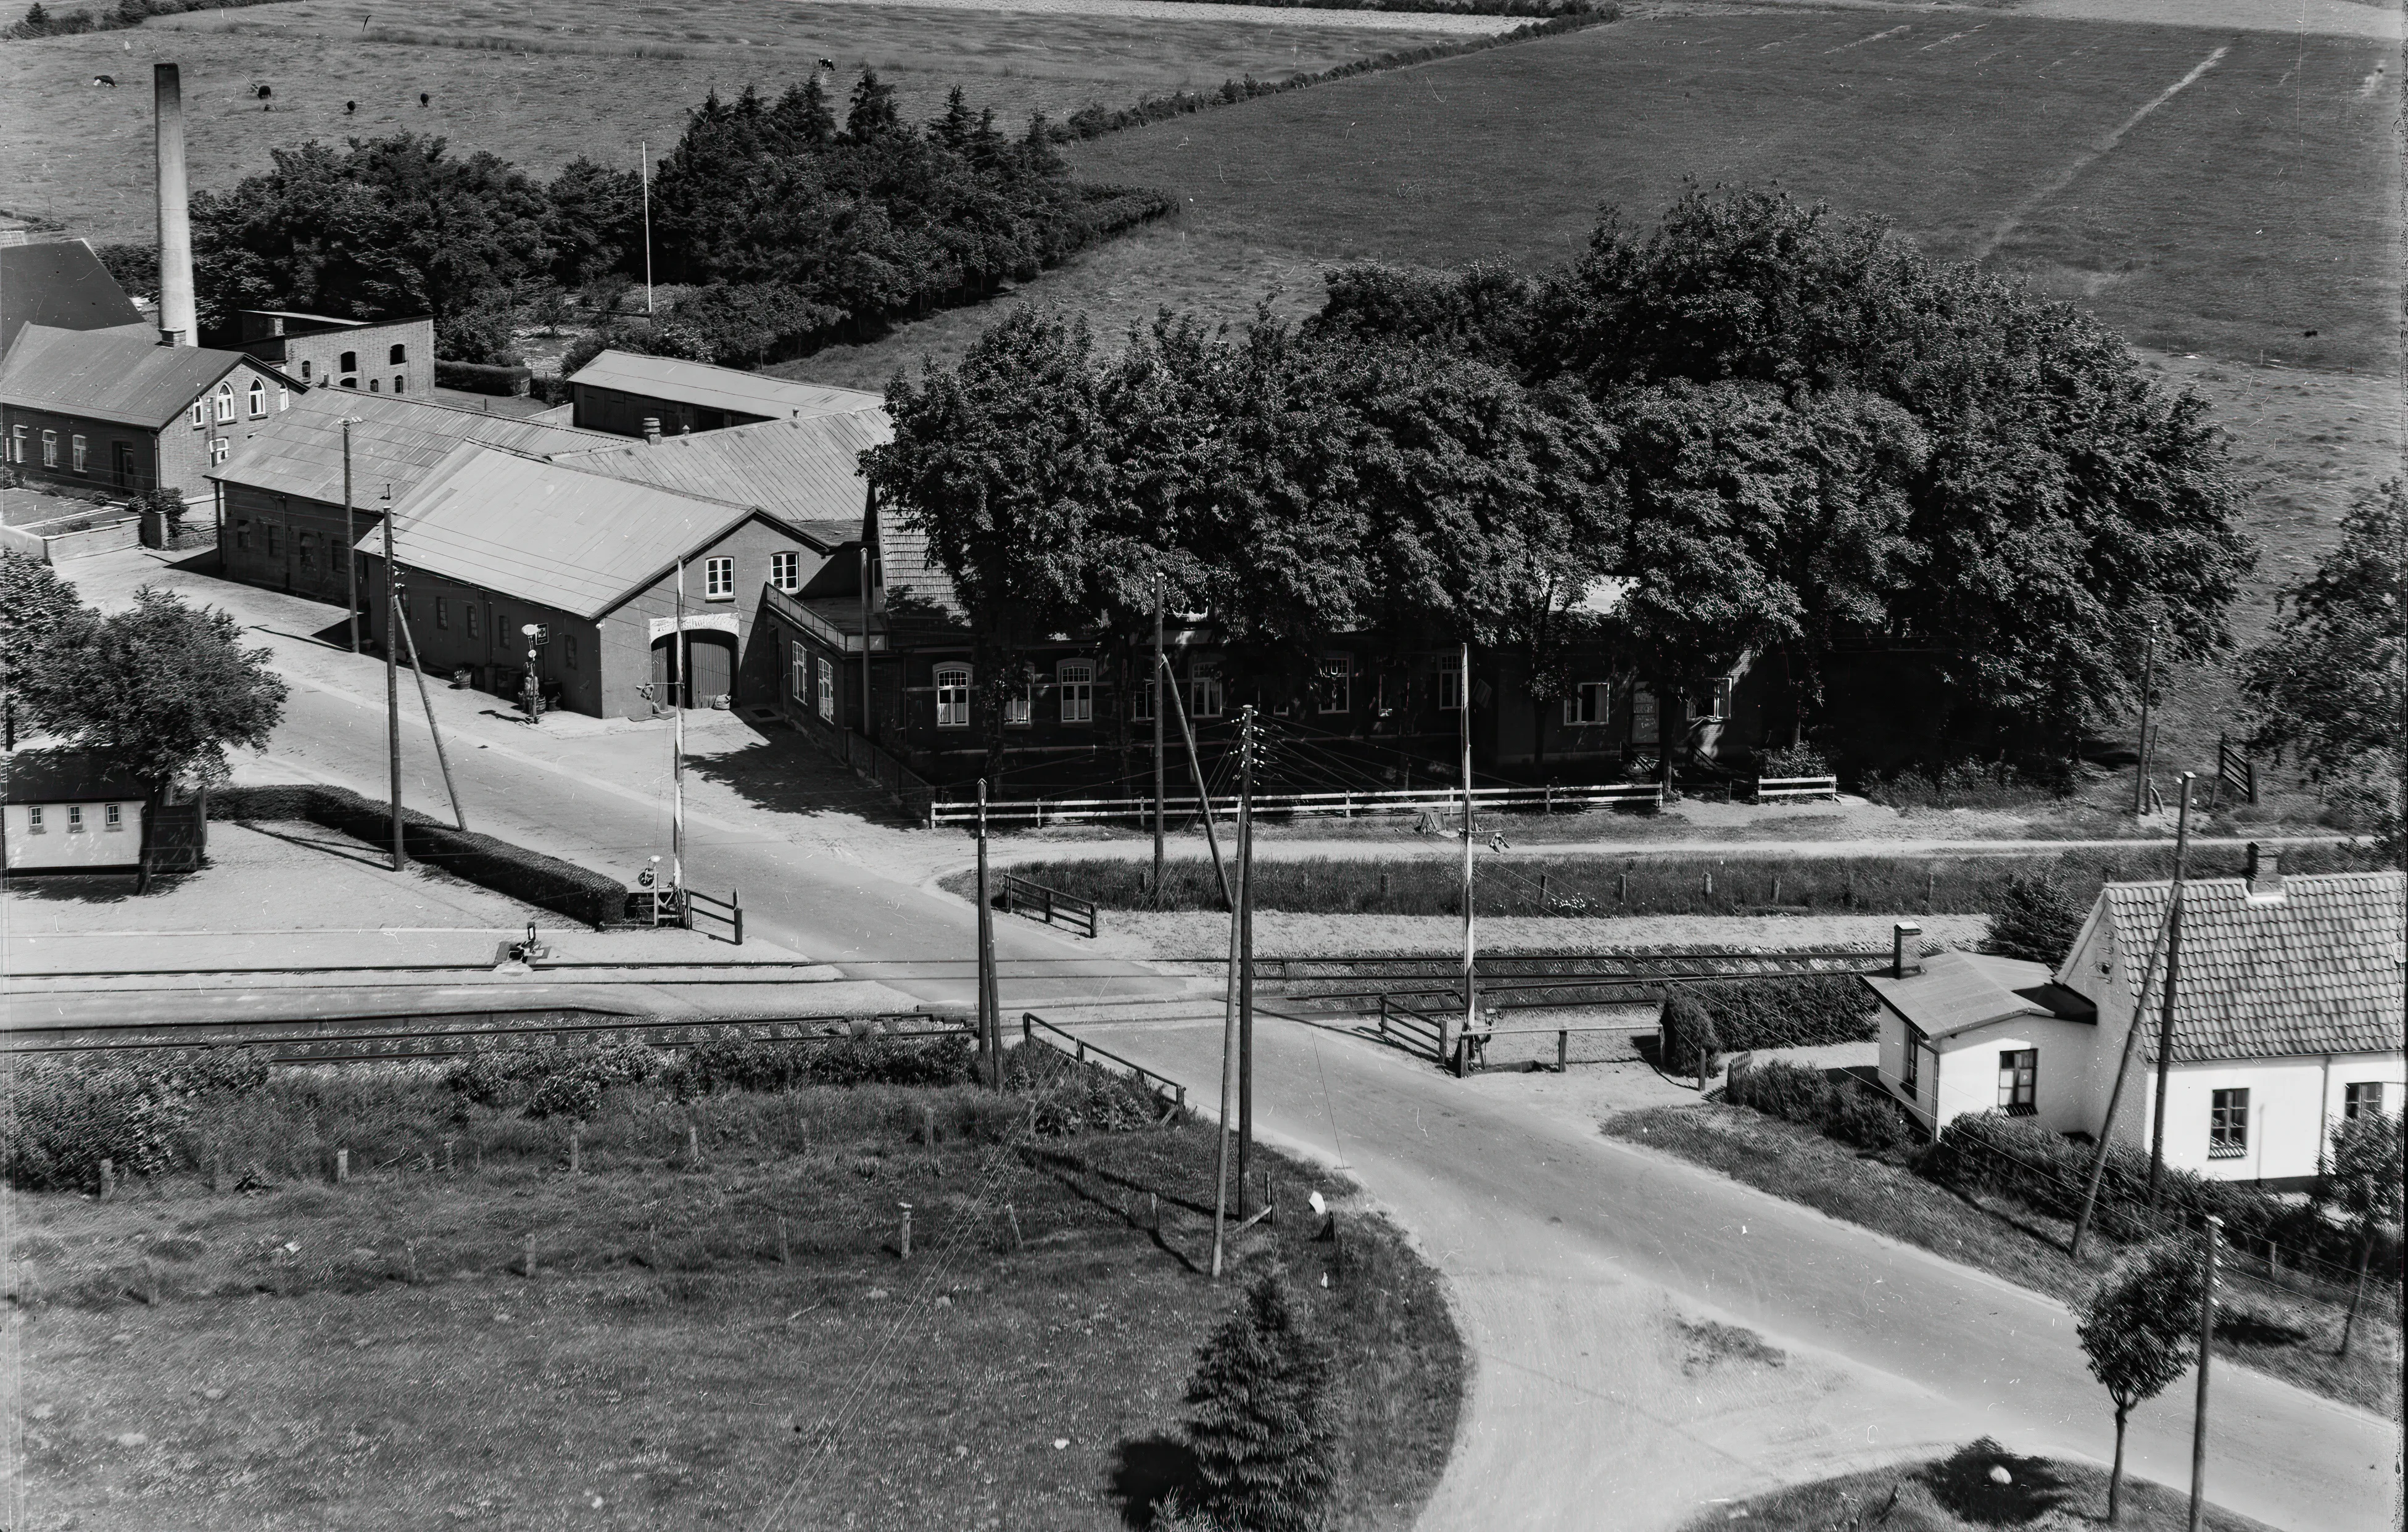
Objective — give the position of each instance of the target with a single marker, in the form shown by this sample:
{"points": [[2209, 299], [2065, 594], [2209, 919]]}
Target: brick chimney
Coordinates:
{"points": [[652, 429], [2265, 873], [177, 324]]}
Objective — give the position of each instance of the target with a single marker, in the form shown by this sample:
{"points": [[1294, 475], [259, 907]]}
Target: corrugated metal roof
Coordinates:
{"points": [[1957, 991], [720, 388], [108, 377], [396, 441], [577, 541], [2316, 971], [62, 285], [806, 471]]}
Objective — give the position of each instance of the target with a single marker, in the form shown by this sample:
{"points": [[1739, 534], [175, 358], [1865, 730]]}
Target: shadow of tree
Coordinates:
{"points": [[78, 887], [1145, 1471], [787, 775], [1962, 1481]]}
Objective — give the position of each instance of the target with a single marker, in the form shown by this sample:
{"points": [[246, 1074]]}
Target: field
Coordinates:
{"points": [[545, 81], [697, 1343]]}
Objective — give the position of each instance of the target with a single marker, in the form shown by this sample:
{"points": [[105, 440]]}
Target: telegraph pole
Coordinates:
{"points": [[1161, 671], [418, 673], [2148, 683], [2214, 1232], [677, 749], [1470, 993], [644, 165], [1195, 765], [350, 538], [1229, 1038], [392, 679], [1245, 965], [989, 1021], [2174, 975]]}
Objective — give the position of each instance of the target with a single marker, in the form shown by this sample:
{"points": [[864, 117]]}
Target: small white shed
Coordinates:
{"points": [[66, 812], [1973, 1033]]}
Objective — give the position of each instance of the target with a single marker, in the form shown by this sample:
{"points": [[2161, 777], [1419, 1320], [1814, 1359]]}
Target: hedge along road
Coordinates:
{"points": [[1554, 1235]]}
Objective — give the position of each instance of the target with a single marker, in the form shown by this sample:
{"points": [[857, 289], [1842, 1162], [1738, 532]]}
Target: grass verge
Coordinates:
{"points": [[2003, 1237], [699, 1337], [1957, 1494], [1590, 886]]}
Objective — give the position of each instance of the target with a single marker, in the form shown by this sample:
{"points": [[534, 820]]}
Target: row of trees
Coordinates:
{"points": [[1794, 436], [791, 228]]}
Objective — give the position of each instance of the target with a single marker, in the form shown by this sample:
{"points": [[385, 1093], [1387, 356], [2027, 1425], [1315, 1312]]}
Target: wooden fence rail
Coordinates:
{"points": [[1791, 788], [1345, 804], [1080, 1048], [1018, 896], [728, 913]]}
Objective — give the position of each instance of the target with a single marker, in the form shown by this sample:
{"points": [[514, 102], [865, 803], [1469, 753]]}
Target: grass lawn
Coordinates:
{"points": [[544, 81], [372, 1355], [1957, 1494], [2295, 1343]]}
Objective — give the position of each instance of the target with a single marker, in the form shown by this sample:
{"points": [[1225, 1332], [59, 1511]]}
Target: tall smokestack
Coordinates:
{"points": [[177, 324]]}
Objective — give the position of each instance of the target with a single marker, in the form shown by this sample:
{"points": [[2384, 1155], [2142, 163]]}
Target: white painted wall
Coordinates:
{"points": [[1893, 1066], [2294, 1104], [1969, 1070], [58, 846]]}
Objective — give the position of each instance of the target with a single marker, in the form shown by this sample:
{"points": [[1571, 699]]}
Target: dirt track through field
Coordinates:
{"points": [[2056, 187]]}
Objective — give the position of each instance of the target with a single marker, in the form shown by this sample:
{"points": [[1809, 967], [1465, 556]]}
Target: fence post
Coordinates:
{"points": [[107, 1180], [1027, 1028], [735, 903], [907, 1231], [1383, 1015], [1563, 1050], [342, 1165]]}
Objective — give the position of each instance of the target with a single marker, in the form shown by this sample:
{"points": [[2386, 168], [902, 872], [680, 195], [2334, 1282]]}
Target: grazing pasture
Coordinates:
{"points": [[543, 83]]}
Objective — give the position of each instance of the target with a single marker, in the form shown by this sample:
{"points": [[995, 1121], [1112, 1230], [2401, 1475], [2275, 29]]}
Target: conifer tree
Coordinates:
{"points": [[1262, 1429]]}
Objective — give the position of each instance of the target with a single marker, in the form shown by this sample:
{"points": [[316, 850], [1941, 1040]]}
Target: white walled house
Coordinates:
{"points": [[64, 813], [2287, 1019]]}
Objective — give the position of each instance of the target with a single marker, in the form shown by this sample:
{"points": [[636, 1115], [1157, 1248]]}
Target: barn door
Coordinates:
{"points": [[714, 668]]}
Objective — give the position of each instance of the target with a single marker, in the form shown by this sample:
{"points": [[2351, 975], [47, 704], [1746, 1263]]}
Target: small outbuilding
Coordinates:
{"points": [[619, 392], [71, 811]]}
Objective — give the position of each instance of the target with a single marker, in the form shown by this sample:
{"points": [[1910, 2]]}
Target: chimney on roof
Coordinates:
{"points": [[177, 324], [652, 429], [1905, 950], [2265, 872]]}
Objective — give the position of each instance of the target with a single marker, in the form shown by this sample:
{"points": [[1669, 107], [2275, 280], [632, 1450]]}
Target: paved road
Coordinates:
{"points": [[1563, 1247]]}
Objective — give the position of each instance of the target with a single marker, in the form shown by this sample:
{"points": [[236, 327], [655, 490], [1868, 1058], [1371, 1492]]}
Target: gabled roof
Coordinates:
{"points": [[64, 775], [104, 376], [578, 542], [1957, 992], [395, 440], [2317, 970], [805, 471], [917, 589], [720, 388], [62, 285]]}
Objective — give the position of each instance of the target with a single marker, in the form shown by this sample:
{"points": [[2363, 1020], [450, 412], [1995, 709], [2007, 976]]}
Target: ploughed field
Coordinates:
{"points": [[543, 83]]}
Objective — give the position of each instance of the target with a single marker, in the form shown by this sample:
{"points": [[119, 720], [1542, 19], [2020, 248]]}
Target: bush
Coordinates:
{"points": [[1263, 1430], [564, 1079], [1790, 1013], [60, 1120], [1793, 761], [544, 881], [1690, 1043], [477, 338], [714, 1066], [2036, 919], [1797, 1093], [1075, 1098], [474, 378]]}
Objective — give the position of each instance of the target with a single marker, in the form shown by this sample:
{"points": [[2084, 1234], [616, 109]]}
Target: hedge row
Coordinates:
{"points": [[1790, 1013], [58, 1121], [1444, 7], [482, 377], [1799, 1094], [531, 877], [1988, 1151], [1097, 121]]}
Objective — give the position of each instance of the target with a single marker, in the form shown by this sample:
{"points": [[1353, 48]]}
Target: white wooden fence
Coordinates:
{"points": [[1344, 804], [1789, 789]]}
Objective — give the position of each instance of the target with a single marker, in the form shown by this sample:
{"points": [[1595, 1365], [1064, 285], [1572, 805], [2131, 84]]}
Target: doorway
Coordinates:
{"points": [[712, 657], [120, 466]]}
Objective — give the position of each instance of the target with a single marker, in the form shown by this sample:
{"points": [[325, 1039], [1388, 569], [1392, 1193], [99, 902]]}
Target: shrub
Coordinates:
{"points": [[1799, 1093], [569, 1095], [62, 1120], [477, 338], [545, 881], [1790, 1013], [714, 1066], [1263, 1430], [1793, 761], [1687, 1028], [562, 1079], [2036, 919], [477, 377]]}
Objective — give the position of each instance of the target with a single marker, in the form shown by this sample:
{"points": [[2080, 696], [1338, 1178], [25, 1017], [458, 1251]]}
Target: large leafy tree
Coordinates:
{"points": [[2362, 1175], [2139, 1331], [160, 689], [2327, 684], [34, 604]]}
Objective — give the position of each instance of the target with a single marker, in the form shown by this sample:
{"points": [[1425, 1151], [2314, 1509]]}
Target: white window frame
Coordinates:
{"points": [[220, 449], [256, 397], [1588, 704], [1207, 694], [1141, 700], [1020, 710], [49, 448], [74, 819], [2227, 1123], [112, 817], [225, 402], [828, 688], [200, 412], [2354, 1104], [787, 571], [719, 578], [1450, 688], [17, 445], [798, 665], [952, 684], [283, 398], [1075, 679], [78, 454], [33, 825], [2019, 1081], [1334, 686]]}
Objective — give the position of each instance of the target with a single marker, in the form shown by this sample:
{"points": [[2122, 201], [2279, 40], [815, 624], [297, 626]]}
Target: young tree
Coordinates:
{"points": [[2362, 1173], [1262, 1431], [35, 603], [2140, 1331], [159, 690], [1691, 1044], [2327, 682], [2035, 919]]}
